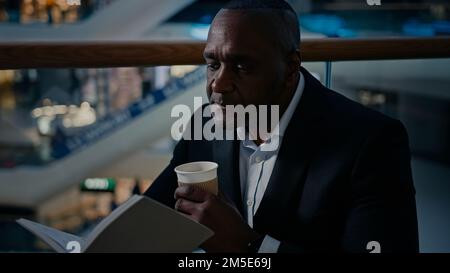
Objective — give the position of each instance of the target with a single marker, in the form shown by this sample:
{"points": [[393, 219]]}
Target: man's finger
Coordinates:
{"points": [[186, 206], [192, 193]]}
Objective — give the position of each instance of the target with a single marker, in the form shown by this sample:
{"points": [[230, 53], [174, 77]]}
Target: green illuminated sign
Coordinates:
{"points": [[98, 184]]}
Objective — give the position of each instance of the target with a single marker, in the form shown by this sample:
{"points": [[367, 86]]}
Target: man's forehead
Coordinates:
{"points": [[235, 31], [225, 24], [238, 46]]}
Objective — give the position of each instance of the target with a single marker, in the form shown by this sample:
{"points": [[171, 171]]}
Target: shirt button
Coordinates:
{"points": [[258, 159], [249, 202]]}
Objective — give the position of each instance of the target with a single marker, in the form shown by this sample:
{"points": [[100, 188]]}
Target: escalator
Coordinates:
{"points": [[111, 139], [114, 136]]}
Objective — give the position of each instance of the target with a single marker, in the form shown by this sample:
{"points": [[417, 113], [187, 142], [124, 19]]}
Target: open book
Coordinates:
{"points": [[138, 225]]}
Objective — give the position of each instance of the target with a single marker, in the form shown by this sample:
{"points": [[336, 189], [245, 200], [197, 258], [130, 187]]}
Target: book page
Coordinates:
{"points": [[56, 239], [144, 225]]}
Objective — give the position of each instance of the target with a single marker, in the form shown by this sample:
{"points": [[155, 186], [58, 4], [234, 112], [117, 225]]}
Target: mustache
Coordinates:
{"points": [[221, 101]]}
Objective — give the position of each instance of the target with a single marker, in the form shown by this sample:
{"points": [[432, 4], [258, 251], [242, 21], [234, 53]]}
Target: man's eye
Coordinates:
{"points": [[213, 66], [242, 67]]}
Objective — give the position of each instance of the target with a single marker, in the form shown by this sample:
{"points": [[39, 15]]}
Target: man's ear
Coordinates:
{"points": [[294, 62]]}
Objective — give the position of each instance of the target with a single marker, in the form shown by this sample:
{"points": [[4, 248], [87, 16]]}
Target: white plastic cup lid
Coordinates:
{"points": [[196, 172]]}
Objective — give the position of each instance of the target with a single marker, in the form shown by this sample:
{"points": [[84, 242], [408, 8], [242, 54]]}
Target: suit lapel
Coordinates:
{"points": [[226, 154], [299, 142]]}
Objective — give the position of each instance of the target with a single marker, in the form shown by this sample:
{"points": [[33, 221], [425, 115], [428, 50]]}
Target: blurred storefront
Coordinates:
{"points": [[49, 11]]}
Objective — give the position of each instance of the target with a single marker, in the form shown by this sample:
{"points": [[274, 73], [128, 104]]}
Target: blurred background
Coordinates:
{"points": [[76, 143]]}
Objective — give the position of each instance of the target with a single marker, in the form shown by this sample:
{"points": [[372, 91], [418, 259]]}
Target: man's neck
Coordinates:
{"points": [[284, 102]]}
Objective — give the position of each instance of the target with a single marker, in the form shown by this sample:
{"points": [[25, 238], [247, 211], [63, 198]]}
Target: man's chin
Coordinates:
{"points": [[224, 124], [221, 119]]}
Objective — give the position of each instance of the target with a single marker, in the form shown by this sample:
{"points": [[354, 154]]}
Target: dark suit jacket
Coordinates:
{"points": [[342, 178]]}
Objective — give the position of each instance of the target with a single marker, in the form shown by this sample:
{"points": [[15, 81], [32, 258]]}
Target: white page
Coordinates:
{"points": [[56, 239], [144, 225]]}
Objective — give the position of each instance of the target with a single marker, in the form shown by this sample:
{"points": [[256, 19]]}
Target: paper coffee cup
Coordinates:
{"points": [[202, 174]]}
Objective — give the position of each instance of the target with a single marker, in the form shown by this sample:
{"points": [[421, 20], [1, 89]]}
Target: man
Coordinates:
{"points": [[341, 177]]}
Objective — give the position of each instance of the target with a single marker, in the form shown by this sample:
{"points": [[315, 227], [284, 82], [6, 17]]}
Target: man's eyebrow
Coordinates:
{"points": [[230, 57], [239, 58], [209, 55]]}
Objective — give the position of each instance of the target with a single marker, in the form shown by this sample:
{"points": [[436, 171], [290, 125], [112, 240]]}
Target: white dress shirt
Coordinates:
{"points": [[256, 166]]}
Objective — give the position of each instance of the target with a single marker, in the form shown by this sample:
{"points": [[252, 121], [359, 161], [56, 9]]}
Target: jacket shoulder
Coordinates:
{"points": [[354, 116]]}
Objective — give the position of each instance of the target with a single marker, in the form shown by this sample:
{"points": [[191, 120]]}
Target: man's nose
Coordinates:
{"points": [[223, 81]]}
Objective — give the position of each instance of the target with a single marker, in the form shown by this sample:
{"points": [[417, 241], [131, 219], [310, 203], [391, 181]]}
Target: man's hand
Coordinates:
{"points": [[231, 232]]}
